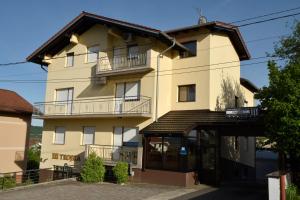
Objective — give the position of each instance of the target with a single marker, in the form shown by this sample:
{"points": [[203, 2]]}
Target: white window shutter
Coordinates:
{"points": [[132, 90], [130, 135], [59, 135], [88, 135], [118, 136]]}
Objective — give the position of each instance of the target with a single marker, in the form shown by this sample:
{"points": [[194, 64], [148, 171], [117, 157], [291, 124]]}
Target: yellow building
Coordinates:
{"points": [[119, 89]]}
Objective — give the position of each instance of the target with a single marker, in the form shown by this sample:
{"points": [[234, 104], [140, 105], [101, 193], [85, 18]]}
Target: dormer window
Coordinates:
{"points": [[192, 47]]}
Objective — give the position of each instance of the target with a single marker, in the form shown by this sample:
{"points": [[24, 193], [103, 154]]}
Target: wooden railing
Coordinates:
{"points": [[98, 106], [113, 154]]}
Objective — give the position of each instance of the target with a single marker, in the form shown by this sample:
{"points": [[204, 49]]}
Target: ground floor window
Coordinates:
{"points": [[59, 135], [126, 136]]}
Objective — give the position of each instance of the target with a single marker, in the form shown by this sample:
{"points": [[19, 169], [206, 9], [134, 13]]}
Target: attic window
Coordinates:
{"points": [[92, 54], [70, 59], [192, 47]]}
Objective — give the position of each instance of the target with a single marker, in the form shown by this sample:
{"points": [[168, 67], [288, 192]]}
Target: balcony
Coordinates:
{"points": [[243, 112], [99, 107], [122, 65], [113, 154]]}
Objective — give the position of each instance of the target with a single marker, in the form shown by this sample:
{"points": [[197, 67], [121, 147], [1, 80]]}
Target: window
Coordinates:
{"points": [[124, 136], [92, 54], [59, 137], [88, 135], [192, 46], [70, 59], [130, 137], [64, 98], [186, 93], [129, 90]]}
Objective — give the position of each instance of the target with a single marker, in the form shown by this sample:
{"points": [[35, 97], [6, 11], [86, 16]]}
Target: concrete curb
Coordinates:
{"points": [[37, 184]]}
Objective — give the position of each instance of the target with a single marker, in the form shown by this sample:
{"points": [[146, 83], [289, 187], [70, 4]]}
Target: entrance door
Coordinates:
{"points": [[208, 157]]}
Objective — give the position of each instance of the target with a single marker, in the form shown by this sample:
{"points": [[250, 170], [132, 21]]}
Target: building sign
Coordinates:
{"points": [[183, 151], [58, 156]]}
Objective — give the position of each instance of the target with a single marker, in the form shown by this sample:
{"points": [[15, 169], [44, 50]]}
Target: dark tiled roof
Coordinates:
{"points": [[182, 121], [216, 26], [248, 84], [13, 103], [82, 23]]}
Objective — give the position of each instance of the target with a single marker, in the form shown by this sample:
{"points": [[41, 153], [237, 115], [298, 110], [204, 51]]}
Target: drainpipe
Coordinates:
{"points": [[160, 55]]}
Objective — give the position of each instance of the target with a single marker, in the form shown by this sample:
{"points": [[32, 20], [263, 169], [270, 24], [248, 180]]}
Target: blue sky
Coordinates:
{"points": [[25, 25]]}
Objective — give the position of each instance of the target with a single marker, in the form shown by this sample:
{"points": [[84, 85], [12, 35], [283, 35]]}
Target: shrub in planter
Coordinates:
{"points": [[93, 169], [7, 182], [121, 172]]}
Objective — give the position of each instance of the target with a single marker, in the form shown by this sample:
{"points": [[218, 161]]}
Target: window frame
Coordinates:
{"points": [[129, 98], [178, 94], [87, 53], [122, 134], [94, 134], [67, 56], [182, 55], [54, 137]]}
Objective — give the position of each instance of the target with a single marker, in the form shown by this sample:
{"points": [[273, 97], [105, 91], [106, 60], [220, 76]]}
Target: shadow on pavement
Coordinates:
{"points": [[230, 192]]}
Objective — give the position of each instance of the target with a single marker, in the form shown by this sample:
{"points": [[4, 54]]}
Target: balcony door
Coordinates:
{"points": [[126, 94], [64, 101]]}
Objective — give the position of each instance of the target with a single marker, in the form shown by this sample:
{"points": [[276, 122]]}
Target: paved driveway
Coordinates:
{"points": [[73, 190]]}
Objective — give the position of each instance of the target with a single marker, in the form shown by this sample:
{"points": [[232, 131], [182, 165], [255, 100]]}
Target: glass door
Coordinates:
{"points": [[208, 156], [64, 101]]}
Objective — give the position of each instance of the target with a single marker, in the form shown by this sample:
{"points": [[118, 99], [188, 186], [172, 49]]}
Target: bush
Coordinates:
{"points": [[7, 182], [121, 172], [93, 169], [291, 192]]}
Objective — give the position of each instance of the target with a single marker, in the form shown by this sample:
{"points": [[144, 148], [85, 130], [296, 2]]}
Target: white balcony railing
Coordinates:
{"points": [[100, 106], [113, 154], [118, 63]]}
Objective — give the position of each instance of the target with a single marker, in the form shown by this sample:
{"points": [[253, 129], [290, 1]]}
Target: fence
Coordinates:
{"points": [[29, 177]]}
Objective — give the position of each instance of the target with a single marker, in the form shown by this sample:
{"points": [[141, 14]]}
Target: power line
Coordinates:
{"points": [[203, 49], [147, 76], [107, 50], [265, 15], [267, 20]]}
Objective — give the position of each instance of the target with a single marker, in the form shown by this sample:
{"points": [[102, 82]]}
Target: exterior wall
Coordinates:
{"points": [[73, 137], [192, 70], [221, 51], [249, 96], [14, 136]]}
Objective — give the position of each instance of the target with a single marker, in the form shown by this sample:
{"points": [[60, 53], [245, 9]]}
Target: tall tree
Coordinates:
{"points": [[281, 99]]}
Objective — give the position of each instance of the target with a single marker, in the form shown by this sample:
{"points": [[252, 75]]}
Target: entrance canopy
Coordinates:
{"points": [[240, 122]]}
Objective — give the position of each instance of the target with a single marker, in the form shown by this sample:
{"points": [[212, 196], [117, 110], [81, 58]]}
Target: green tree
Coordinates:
{"points": [[33, 161], [281, 99]]}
